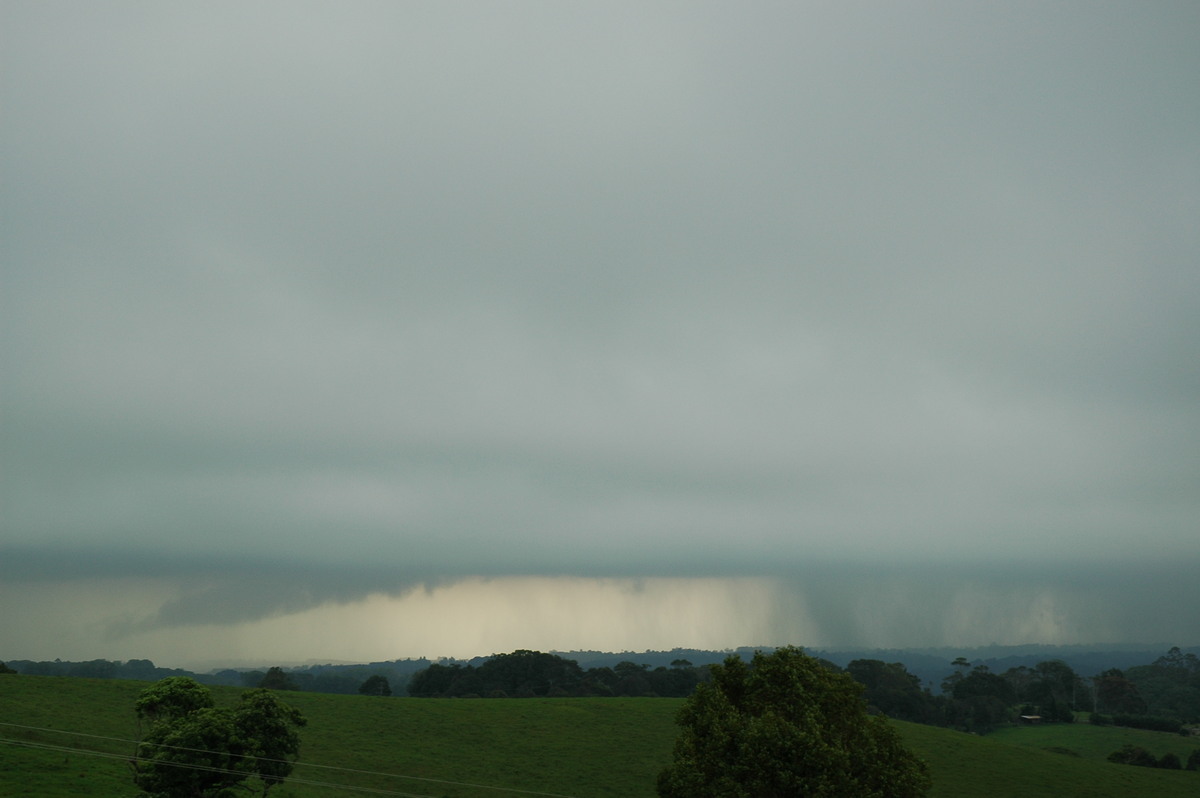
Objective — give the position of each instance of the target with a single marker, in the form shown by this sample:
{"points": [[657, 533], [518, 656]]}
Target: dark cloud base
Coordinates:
{"points": [[829, 603]]}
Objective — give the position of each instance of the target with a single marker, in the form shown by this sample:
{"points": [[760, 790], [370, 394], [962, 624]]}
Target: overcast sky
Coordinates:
{"points": [[368, 330]]}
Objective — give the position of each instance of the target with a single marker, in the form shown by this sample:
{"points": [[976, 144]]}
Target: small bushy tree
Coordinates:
{"points": [[786, 725], [1170, 761], [1130, 754], [194, 749]]}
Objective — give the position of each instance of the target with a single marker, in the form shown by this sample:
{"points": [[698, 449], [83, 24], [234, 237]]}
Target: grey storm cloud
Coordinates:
{"points": [[366, 296]]}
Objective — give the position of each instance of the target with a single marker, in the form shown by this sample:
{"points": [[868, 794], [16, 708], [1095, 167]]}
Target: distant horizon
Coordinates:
{"points": [[950, 652]]}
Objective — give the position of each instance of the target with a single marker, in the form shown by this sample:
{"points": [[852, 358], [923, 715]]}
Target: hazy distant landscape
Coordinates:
{"points": [[921, 685], [930, 666]]}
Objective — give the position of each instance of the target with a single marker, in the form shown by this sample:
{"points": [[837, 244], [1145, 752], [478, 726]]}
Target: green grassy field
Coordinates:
{"points": [[587, 748], [1001, 764], [1096, 742]]}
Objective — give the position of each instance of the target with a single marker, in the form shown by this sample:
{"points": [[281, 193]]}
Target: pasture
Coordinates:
{"points": [[497, 748]]}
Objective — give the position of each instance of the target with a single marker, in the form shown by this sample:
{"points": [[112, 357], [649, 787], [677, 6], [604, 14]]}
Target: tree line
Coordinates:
{"points": [[529, 674], [340, 679], [1162, 696]]}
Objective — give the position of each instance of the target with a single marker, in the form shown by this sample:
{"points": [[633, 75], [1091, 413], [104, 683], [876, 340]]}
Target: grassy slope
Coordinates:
{"points": [[969, 765], [581, 747], [598, 747], [1096, 742], [89, 706]]}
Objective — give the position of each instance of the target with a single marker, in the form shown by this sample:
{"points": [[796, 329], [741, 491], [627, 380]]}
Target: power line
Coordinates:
{"points": [[204, 768], [283, 761]]}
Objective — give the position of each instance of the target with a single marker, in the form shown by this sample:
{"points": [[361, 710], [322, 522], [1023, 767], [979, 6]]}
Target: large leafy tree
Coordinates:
{"points": [[1055, 690], [1170, 685], [1117, 694], [277, 679], [892, 690], [194, 749], [171, 699], [266, 730], [981, 700], [786, 725], [375, 685], [529, 673]]}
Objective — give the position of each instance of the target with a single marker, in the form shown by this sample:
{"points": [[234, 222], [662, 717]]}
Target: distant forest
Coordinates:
{"points": [[528, 674], [1161, 692]]}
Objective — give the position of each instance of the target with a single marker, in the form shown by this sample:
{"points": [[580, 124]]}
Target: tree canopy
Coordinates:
{"points": [[375, 685], [524, 674], [786, 725], [277, 679], [194, 749], [172, 698], [892, 690]]}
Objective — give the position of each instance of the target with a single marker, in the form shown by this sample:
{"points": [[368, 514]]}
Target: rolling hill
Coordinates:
{"points": [[84, 729]]}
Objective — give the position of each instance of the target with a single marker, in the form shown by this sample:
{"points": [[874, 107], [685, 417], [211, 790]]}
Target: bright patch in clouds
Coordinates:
{"points": [[830, 608], [459, 619]]}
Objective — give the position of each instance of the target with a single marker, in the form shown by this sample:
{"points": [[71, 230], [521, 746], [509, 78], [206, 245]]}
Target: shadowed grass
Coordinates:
{"points": [[1096, 742], [970, 765]]}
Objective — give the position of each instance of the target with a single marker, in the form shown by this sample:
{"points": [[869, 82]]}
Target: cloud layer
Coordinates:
{"points": [[317, 303]]}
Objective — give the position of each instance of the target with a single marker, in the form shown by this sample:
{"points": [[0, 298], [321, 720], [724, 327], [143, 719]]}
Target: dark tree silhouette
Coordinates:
{"points": [[786, 725], [376, 685]]}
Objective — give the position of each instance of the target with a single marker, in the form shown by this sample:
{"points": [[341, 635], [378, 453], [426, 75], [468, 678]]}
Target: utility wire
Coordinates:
{"points": [[204, 768], [283, 761]]}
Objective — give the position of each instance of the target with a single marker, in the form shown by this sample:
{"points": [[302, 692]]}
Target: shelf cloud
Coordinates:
{"points": [[850, 324]]}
